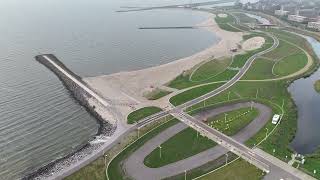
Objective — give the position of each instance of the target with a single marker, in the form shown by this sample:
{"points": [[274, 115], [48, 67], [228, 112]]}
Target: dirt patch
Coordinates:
{"points": [[222, 15], [253, 43]]}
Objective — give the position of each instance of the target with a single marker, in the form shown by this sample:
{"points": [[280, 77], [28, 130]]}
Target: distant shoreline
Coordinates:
{"points": [[160, 74]]}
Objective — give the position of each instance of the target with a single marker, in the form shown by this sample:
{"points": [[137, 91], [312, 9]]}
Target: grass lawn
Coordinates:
{"points": [[284, 49], [290, 64], [317, 86], [139, 114], [312, 163], [235, 121], [183, 80], [224, 23], [260, 69], [238, 170], [210, 69], [156, 94], [175, 149], [95, 170], [193, 93], [244, 18]]}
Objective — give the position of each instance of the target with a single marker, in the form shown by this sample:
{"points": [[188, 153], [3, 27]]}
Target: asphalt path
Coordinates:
{"points": [[135, 168], [217, 91]]}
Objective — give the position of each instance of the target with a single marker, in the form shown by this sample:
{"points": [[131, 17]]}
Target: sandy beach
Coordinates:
{"points": [[127, 88]]}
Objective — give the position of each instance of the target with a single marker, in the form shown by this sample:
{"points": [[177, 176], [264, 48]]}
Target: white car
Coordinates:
{"points": [[275, 119]]}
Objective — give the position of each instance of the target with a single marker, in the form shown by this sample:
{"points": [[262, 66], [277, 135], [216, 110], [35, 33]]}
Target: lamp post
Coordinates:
{"points": [[227, 155], [257, 94], [185, 174], [160, 151], [229, 96], [105, 160]]}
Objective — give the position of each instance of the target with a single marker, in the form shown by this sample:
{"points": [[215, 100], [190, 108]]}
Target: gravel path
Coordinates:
{"points": [[135, 168]]}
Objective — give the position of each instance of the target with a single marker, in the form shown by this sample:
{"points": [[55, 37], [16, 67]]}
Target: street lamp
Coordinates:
{"points": [[229, 96], [274, 150], [185, 174], [160, 151], [105, 160], [227, 155]]}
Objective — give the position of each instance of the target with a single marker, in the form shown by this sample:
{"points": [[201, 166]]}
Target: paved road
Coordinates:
{"points": [[274, 170], [135, 167], [217, 91]]}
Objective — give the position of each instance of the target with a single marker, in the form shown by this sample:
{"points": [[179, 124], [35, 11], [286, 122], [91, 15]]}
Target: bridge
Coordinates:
{"points": [[223, 140]]}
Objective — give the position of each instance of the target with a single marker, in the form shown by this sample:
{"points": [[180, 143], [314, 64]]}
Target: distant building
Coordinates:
{"points": [[281, 12], [309, 13], [297, 18], [291, 8], [314, 25]]}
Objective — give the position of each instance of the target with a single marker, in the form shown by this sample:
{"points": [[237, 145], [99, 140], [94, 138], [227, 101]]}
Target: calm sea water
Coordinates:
{"points": [[39, 121]]}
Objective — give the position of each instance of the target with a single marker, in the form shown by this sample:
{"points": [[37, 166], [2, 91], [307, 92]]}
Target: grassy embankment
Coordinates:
{"points": [[244, 18], [317, 86], [184, 80], [175, 149], [225, 22], [238, 170], [283, 61], [139, 114], [156, 94]]}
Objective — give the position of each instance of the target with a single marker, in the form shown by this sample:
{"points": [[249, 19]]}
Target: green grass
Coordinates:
{"points": [[115, 171], [193, 93], [157, 94], [139, 114], [210, 69], [284, 49], [317, 86], [238, 170], [244, 18], [224, 23], [312, 163], [260, 69], [184, 144], [290, 64], [95, 170], [236, 120], [174, 149], [182, 81]]}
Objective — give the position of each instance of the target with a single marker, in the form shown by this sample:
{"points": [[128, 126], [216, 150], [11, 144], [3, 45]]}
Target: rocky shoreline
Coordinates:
{"points": [[106, 128], [82, 151]]}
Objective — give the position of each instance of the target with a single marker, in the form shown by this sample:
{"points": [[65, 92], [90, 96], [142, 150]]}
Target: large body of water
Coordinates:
{"points": [[307, 100], [39, 121]]}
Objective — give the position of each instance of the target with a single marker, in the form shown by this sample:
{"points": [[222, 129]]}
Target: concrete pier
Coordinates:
{"points": [[91, 100]]}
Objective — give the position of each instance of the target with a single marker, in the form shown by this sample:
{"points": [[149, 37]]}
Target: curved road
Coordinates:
{"points": [[135, 168], [217, 91]]}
